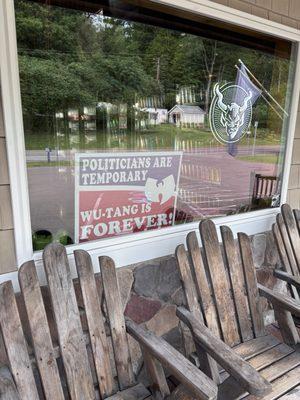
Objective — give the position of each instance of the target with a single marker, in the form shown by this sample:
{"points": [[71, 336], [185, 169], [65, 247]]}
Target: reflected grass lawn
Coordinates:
{"points": [[32, 164], [156, 137], [260, 158]]}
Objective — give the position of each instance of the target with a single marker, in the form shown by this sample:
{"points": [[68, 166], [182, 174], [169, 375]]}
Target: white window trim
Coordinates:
{"points": [[145, 245]]}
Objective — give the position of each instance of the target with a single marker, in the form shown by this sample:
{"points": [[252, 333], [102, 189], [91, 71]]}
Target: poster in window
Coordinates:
{"points": [[124, 193]]}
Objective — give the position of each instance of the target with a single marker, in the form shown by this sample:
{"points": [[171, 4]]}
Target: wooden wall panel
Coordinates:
{"points": [[4, 177], [286, 12], [7, 252], [294, 180], [6, 215], [7, 240], [2, 133], [281, 6]]}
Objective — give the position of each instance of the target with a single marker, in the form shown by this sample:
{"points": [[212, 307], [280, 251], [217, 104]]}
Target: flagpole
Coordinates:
{"points": [[264, 89], [266, 100]]}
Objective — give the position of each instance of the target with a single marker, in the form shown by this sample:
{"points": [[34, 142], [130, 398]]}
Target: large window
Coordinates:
{"points": [[140, 118]]}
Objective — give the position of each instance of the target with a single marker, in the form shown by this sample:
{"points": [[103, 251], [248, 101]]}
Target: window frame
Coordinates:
{"points": [[156, 243]]}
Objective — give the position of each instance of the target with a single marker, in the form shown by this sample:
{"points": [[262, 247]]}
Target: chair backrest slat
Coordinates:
{"points": [[15, 344], [287, 237], [297, 218], [220, 283], [284, 257], [237, 280], [202, 285], [40, 333], [223, 283], [208, 365], [117, 323], [251, 284], [281, 248], [188, 282], [66, 313], [293, 232], [95, 322], [287, 244]]}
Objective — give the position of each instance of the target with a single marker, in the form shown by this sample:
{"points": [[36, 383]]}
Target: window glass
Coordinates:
{"points": [[138, 118]]}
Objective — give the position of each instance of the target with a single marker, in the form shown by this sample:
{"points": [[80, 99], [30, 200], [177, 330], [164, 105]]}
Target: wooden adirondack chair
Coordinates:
{"points": [[82, 361], [226, 322], [286, 232]]}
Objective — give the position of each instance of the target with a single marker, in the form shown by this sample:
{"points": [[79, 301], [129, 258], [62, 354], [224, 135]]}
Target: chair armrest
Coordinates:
{"points": [[8, 390], [280, 300], [238, 368], [289, 278], [187, 373]]}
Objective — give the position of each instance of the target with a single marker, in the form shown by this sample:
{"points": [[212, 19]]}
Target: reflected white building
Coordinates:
{"points": [[156, 116], [185, 115]]}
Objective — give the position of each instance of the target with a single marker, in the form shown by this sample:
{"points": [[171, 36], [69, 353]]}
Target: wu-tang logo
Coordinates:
{"points": [[230, 113], [160, 191]]}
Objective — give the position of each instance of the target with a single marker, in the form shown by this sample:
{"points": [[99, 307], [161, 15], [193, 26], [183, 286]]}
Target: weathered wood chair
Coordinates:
{"points": [[81, 367], [286, 232], [226, 322]]}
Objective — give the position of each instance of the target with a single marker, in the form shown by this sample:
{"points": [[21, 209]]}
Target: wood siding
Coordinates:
{"points": [[286, 12], [294, 182], [7, 242]]}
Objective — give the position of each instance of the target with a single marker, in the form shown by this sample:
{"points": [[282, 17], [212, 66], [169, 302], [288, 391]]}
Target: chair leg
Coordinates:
{"points": [[155, 370], [180, 393], [287, 326]]}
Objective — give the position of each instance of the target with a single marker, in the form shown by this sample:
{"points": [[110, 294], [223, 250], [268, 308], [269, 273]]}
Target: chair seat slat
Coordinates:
{"points": [[277, 367], [281, 385], [256, 346], [138, 392]]}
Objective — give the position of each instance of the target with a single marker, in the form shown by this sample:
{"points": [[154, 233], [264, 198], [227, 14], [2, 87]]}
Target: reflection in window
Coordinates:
{"points": [[93, 82]]}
